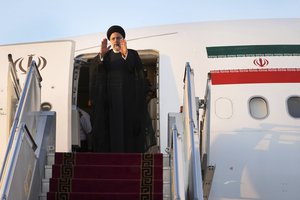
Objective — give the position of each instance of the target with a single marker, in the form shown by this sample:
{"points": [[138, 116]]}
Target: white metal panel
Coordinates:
{"points": [[181, 43], [276, 96], [8, 105], [255, 159], [55, 60], [4, 130]]}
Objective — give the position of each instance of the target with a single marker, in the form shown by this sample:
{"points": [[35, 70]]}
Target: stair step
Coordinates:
{"points": [[166, 173], [102, 185], [116, 163], [51, 159], [43, 196], [166, 187], [102, 196], [85, 158], [102, 172]]}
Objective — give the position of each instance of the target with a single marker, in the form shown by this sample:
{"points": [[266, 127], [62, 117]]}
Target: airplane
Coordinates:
{"points": [[226, 107]]}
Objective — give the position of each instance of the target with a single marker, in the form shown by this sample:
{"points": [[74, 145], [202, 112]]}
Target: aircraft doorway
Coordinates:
{"points": [[80, 96]]}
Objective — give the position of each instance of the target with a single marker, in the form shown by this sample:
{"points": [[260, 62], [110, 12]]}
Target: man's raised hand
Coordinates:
{"points": [[104, 48]]}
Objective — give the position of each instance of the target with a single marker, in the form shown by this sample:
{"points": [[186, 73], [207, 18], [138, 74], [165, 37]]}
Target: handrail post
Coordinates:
{"points": [[176, 164]]}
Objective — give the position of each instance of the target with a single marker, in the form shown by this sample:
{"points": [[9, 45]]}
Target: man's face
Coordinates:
{"points": [[115, 39]]}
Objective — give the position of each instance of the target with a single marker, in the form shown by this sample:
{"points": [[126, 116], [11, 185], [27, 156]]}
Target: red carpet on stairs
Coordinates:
{"points": [[101, 176]]}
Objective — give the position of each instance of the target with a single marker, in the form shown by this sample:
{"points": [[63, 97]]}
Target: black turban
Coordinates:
{"points": [[113, 29]]}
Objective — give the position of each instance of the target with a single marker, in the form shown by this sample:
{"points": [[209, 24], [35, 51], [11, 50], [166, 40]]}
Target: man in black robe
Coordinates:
{"points": [[117, 88]]}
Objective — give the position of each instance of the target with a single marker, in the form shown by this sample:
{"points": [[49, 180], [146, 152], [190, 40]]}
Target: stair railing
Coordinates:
{"points": [[14, 77], [22, 133], [178, 182], [192, 147], [21, 116]]}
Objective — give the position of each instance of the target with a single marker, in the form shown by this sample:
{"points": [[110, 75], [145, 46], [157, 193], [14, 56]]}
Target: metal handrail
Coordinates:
{"points": [[196, 167], [13, 160], [176, 162], [17, 116], [14, 77]]}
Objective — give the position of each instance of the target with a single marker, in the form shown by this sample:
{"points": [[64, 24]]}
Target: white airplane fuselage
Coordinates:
{"points": [[236, 143]]}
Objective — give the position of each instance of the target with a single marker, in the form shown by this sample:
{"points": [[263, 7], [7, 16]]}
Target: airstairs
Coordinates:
{"points": [[146, 176], [33, 170], [31, 132]]}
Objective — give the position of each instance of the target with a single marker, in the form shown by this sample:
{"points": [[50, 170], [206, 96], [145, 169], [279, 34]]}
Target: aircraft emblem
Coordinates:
{"points": [[261, 62], [41, 63]]}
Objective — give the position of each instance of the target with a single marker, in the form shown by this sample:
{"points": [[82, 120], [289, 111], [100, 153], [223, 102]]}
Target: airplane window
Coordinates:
{"points": [[293, 104], [258, 107]]}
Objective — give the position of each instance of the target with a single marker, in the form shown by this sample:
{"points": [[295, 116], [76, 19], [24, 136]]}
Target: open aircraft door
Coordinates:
{"points": [[55, 63]]}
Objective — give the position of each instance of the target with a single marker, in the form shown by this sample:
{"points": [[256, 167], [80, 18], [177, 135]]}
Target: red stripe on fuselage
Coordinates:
{"points": [[290, 75]]}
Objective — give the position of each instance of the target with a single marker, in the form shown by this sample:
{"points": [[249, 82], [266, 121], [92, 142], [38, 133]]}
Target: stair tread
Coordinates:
{"points": [[89, 171], [104, 196], [105, 186], [107, 158], [106, 176]]}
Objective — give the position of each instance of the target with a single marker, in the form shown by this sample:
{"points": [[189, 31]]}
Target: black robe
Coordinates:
{"points": [[122, 122]]}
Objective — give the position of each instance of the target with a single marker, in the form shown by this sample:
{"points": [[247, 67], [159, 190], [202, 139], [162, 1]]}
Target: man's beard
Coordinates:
{"points": [[117, 47]]}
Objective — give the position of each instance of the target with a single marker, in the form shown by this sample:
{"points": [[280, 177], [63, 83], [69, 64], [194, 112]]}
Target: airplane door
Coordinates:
{"points": [[55, 63]]}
